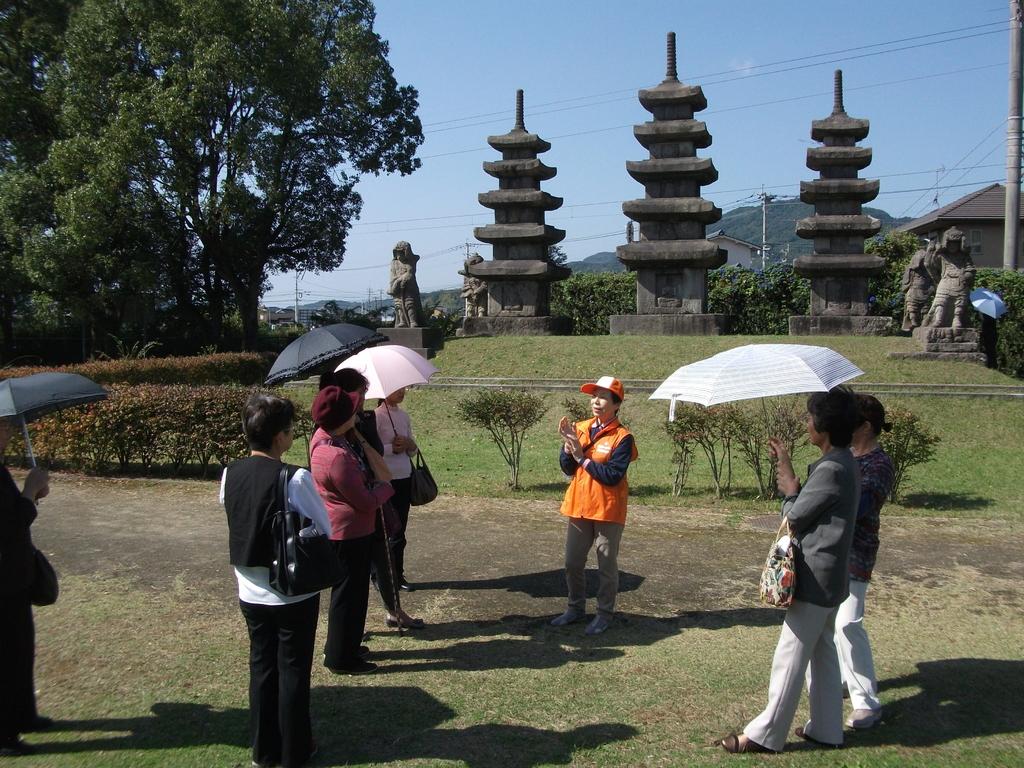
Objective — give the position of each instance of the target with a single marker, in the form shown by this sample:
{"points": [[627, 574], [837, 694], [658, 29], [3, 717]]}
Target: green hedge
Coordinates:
{"points": [[148, 425], [1010, 343], [589, 298], [245, 368], [759, 302]]}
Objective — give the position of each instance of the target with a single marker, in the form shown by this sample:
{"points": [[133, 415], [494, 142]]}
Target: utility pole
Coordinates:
{"points": [[765, 199], [297, 295], [1011, 220]]}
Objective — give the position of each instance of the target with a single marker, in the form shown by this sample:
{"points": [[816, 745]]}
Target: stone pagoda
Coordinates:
{"points": [[520, 274], [671, 255], [838, 268]]}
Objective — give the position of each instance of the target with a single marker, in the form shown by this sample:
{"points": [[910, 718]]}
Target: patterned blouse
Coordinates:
{"points": [[875, 483]]}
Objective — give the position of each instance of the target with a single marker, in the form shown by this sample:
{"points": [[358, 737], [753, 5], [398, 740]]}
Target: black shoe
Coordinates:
{"points": [[363, 651], [355, 668], [40, 723], [15, 748], [405, 586]]}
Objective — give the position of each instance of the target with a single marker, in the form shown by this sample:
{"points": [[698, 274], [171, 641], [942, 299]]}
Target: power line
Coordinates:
{"points": [[740, 107], [701, 77]]}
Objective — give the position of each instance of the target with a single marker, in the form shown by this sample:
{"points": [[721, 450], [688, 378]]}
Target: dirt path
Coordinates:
{"points": [[467, 555]]}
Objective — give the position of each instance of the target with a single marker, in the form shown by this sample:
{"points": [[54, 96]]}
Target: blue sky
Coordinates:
{"points": [[930, 75]]}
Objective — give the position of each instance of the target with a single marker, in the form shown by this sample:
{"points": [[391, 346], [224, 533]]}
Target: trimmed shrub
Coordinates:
{"points": [[909, 443], [589, 298], [146, 425], [506, 415], [244, 368]]}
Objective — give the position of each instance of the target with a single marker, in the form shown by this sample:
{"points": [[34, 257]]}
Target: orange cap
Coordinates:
{"points": [[605, 382]]}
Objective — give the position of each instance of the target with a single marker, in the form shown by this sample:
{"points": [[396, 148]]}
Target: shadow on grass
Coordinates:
{"points": [[351, 724], [957, 699], [529, 642], [538, 584], [946, 502], [385, 724]]}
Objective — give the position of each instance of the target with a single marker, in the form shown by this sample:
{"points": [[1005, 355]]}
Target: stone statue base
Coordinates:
{"points": [[668, 325], [955, 344], [839, 325], [505, 325], [426, 341]]}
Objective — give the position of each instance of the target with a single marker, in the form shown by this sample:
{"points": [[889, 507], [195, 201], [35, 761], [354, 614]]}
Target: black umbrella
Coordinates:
{"points": [[29, 397], [313, 349]]}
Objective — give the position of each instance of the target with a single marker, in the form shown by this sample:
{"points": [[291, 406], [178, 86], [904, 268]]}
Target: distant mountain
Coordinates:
{"points": [[745, 224]]}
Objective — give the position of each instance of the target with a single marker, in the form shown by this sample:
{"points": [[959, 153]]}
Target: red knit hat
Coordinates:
{"points": [[332, 407]]}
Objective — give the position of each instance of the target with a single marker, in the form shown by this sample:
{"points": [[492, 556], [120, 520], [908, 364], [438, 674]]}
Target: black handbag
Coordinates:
{"points": [[423, 489], [44, 589], [301, 564]]}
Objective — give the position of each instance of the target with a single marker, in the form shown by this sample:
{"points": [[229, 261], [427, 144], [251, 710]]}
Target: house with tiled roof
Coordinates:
{"points": [[980, 216]]}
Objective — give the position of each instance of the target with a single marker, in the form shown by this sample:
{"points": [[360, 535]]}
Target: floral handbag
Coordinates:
{"points": [[778, 579]]}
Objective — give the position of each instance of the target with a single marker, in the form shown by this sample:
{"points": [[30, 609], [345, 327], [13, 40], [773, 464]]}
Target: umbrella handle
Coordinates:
{"points": [[28, 443]]}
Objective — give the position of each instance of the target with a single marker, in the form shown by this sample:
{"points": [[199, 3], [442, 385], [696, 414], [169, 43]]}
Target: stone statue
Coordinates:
{"points": [[953, 272], [474, 290], [917, 287], [402, 286]]}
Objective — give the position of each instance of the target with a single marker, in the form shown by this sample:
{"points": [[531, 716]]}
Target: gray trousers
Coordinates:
{"points": [[580, 536]]}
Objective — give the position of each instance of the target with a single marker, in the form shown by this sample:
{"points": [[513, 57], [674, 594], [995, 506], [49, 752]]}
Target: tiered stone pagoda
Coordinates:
{"points": [[838, 268], [672, 255], [520, 274]]}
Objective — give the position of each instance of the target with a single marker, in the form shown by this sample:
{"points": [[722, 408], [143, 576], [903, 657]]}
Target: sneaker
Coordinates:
{"points": [[864, 718], [598, 625], [15, 747], [570, 616]]}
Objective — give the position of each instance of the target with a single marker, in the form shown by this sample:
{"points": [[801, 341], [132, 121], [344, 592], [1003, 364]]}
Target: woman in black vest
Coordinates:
{"points": [[281, 627], [17, 632]]}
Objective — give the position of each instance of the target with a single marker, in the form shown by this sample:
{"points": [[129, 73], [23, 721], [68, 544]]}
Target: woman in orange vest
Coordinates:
{"points": [[596, 454]]}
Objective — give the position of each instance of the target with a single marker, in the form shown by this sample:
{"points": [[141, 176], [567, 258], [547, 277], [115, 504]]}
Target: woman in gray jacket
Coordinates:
{"points": [[821, 518]]}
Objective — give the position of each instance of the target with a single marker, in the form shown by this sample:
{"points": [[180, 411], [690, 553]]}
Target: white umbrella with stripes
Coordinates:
{"points": [[756, 370]]}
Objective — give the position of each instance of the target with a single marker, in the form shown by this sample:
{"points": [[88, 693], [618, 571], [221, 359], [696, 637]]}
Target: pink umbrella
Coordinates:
{"points": [[389, 367]]}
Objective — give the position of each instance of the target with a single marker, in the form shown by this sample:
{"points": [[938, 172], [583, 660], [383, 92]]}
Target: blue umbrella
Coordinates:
{"points": [[988, 303], [29, 397]]}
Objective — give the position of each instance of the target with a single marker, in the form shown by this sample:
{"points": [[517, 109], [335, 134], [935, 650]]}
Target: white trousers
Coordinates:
{"points": [[855, 661], [806, 649]]}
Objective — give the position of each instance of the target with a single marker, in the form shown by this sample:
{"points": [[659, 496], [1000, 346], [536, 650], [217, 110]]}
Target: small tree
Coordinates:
{"points": [[711, 429], [506, 415], [754, 423], [909, 443]]}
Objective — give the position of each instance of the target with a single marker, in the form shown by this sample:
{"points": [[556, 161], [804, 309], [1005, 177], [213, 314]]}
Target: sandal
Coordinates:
{"points": [[800, 732], [731, 744]]}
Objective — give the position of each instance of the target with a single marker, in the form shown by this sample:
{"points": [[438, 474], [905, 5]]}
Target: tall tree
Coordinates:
{"points": [[241, 127], [31, 40]]}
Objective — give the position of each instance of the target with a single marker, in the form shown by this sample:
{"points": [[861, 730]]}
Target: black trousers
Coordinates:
{"points": [[346, 620], [17, 660], [400, 501], [280, 661]]}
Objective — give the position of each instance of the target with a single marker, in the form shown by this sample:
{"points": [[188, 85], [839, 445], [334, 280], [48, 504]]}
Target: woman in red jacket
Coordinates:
{"points": [[344, 467], [596, 453]]}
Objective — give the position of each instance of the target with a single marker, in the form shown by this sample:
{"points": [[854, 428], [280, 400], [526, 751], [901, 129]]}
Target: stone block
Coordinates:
{"points": [[930, 335], [951, 346], [668, 325], [417, 339], [516, 326], [839, 325], [954, 357]]}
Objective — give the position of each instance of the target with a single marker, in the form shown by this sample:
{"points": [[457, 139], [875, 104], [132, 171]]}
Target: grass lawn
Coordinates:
{"points": [[974, 473]]}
